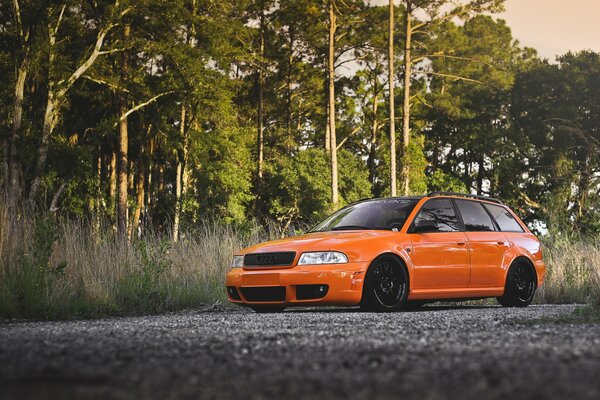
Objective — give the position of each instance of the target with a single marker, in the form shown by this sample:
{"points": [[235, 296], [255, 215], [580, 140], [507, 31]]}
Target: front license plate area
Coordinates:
{"points": [[267, 279]]}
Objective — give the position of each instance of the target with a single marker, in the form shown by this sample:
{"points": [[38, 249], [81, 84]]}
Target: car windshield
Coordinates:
{"points": [[381, 214]]}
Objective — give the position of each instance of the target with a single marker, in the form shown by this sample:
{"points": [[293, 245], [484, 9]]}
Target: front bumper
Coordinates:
{"points": [[344, 282]]}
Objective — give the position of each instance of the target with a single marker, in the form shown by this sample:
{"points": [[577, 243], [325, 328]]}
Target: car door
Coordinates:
{"points": [[488, 246], [440, 253]]}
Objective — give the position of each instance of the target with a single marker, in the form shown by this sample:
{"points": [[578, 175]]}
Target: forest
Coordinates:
{"points": [[154, 118]]}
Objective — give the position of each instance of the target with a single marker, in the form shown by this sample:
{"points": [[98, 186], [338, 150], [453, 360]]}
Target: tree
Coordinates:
{"points": [[58, 86], [392, 106], [331, 105], [436, 12], [556, 120]]}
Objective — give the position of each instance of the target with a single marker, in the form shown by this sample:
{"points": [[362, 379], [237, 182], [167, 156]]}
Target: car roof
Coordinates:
{"points": [[464, 196]]}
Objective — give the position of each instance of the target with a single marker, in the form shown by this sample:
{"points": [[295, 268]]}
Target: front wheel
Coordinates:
{"points": [[386, 285], [520, 285]]}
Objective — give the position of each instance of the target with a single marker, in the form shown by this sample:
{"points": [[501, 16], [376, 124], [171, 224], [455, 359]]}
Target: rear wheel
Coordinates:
{"points": [[386, 285], [266, 309], [520, 285]]}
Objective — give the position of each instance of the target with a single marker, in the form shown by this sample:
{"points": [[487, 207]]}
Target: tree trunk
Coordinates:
{"points": [[261, 83], [406, 103], [123, 147], [393, 178], [374, 128], [327, 129], [480, 173], [112, 191], [178, 180], [139, 204], [289, 91], [13, 164], [150, 183], [97, 210], [49, 124], [333, 140]]}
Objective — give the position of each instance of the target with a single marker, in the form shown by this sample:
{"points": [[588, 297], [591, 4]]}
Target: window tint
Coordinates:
{"points": [[441, 212], [380, 214], [505, 220], [474, 216]]}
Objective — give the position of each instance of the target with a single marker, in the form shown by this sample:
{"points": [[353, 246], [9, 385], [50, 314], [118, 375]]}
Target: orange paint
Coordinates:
{"points": [[440, 265]]}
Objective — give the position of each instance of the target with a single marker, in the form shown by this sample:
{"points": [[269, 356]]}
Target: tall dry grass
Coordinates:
{"points": [[62, 269], [573, 272]]}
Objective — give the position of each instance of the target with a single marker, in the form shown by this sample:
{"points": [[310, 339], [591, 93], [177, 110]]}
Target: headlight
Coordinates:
{"points": [[238, 262], [322, 257]]}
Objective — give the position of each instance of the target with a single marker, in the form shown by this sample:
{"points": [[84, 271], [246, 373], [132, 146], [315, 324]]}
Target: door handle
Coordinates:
{"points": [[461, 243], [500, 241]]}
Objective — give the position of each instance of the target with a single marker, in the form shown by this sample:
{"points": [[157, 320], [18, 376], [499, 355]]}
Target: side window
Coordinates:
{"points": [[436, 216], [474, 216], [505, 220]]}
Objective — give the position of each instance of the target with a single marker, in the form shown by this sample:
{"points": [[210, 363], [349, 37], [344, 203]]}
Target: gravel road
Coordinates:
{"points": [[439, 352]]}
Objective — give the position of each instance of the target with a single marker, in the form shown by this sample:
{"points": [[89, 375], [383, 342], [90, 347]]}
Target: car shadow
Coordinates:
{"points": [[434, 307]]}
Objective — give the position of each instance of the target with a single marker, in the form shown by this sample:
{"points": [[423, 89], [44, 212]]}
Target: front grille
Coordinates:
{"points": [[265, 293], [282, 259]]}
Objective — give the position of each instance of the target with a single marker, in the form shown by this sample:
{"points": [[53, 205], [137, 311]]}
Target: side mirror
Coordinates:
{"points": [[426, 225]]}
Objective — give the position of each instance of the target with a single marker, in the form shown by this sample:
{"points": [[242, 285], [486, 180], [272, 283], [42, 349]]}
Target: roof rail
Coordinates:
{"points": [[472, 196]]}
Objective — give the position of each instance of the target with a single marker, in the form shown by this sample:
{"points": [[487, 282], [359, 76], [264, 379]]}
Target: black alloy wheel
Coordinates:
{"points": [[386, 285], [520, 285]]}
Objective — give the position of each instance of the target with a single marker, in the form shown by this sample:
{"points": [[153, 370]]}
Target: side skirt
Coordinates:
{"points": [[453, 294]]}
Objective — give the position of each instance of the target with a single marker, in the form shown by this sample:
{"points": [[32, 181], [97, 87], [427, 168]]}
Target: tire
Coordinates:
{"points": [[386, 285], [267, 309], [521, 284]]}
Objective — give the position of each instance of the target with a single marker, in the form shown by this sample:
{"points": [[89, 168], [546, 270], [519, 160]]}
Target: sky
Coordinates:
{"points": [[552, 27], [555, 26]]}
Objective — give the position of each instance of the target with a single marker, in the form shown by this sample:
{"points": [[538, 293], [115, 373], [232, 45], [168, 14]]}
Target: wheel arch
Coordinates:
{"points": [[526, 260], [398, 258], [400, 261]]}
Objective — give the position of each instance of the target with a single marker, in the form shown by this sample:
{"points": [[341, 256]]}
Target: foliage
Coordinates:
{"points": [[299, 186], [487, 115]]}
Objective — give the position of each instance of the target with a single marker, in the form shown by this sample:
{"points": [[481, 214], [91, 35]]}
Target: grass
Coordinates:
{"points": [[54, 269], [573, 272]]}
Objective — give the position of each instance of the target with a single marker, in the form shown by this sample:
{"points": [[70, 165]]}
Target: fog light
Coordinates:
{"points": [[311, 292], [233, 293]]}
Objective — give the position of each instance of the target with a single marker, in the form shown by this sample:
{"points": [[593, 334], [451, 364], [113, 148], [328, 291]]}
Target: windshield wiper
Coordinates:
{"points": [[348, 227]]}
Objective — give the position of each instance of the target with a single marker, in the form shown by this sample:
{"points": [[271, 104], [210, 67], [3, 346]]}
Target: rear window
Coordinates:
{"points": [[474, 216], [504, 218]]}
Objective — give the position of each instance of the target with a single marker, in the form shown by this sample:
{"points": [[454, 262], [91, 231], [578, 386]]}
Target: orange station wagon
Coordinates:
{"points": [[392, 253]]}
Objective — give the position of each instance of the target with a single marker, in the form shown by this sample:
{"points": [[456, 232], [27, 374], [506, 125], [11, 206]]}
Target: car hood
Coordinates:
{"points": [[344, 241]]}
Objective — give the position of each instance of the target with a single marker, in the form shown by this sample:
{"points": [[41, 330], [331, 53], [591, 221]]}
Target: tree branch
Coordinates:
{"points": [[339, 146], [106, 83], [441, 55], [97, 51], [142, 105], [60, 17], [18, 16], [455, 77]]}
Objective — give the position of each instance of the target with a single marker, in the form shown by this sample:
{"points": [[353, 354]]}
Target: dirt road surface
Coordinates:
{"points": [[439, 352]]}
